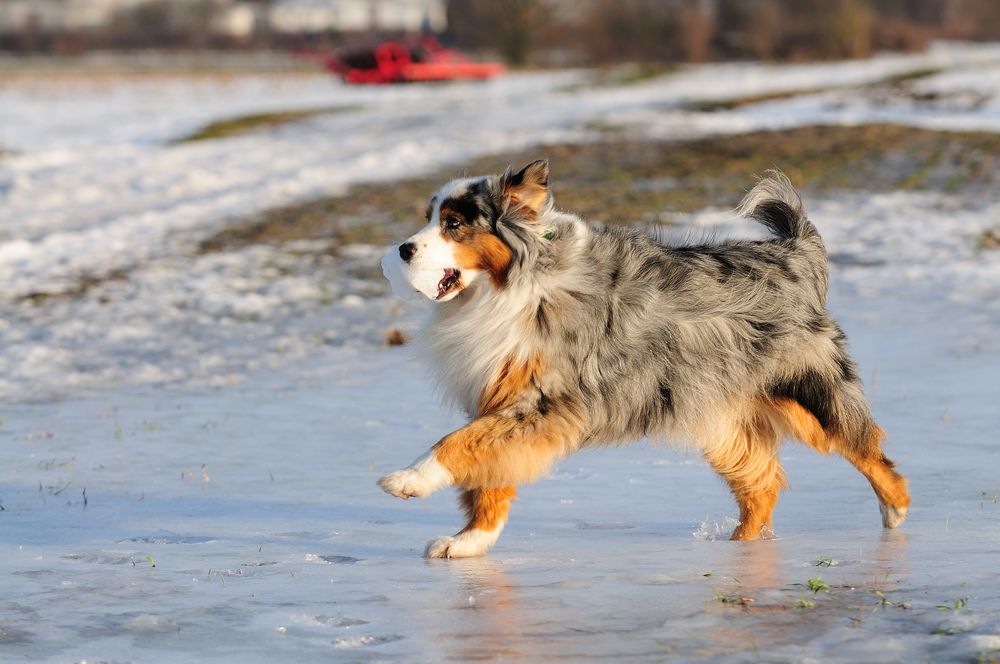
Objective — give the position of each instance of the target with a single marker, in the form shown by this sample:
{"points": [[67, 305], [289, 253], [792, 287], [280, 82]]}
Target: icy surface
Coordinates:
{"points": [[271, 542]]}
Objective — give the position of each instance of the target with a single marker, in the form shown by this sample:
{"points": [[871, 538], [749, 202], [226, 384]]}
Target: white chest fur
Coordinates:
{"points": [[470, 338]]}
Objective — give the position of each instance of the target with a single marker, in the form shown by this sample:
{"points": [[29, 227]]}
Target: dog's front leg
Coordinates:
{"points": [[487, 458], [486, 510]]}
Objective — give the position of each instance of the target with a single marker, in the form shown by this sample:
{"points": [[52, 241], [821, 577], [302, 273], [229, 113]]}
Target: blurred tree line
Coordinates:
{"points": [[588, 32], [159, 24], [574, 32]]}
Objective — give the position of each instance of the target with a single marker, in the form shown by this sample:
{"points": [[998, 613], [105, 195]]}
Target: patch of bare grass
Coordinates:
{"points": [[897, 82], [989, 240], [628, 180], [78, 288], [109, 67], [621, 76], [716, 105], [245, 124], [910, 76]]}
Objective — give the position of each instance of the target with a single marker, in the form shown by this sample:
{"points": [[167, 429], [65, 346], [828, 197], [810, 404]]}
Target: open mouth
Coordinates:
{"points": [[449, 282]]}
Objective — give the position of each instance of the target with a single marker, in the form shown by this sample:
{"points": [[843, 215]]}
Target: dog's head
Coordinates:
{"points": [[471, 223]]}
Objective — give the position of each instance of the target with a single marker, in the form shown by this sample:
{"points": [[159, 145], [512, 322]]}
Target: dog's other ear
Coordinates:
{"points": [[528, 189]]}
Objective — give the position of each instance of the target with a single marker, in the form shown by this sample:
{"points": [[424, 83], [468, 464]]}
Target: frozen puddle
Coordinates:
{"points": [[245, 525]]}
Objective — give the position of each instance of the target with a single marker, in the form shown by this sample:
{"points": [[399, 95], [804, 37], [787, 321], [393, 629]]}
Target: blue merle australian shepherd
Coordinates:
{"points": [[555, 335]]}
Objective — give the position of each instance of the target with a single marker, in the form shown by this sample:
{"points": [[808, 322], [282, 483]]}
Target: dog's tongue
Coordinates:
{"points": [[447, 282]]}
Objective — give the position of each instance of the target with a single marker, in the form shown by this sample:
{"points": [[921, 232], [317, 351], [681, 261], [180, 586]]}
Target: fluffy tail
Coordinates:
{"points": [[775, 203]]}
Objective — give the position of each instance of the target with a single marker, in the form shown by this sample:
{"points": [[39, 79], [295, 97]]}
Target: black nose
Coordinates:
{"points": [[406, 251]]}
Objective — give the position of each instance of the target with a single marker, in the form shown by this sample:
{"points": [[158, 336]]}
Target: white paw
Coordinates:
{"points": [[892, 516], [422, 478], [466, 544], [439, 548], [404, 484]]}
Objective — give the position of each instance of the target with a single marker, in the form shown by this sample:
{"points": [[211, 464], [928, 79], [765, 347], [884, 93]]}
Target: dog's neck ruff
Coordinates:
{"points": [[470, 338]]}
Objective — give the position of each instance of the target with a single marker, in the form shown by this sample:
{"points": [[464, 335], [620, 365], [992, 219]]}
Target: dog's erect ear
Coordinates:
{"points": [[528, 189]]}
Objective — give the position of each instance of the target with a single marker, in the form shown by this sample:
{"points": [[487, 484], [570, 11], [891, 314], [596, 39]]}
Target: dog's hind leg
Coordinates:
{"points": [[748, 460], [865, 454], [486, 509], [890, 487]]}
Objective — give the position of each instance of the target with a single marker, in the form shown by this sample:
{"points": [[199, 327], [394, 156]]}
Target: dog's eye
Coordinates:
{"points": [[452, 223]]}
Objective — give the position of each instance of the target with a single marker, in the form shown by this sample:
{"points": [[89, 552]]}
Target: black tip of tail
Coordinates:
{"points": [[779, 217], [775, 203]]}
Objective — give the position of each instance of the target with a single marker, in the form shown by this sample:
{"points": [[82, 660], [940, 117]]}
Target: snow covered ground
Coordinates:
{"points": [[225, 415], [95, 191]]}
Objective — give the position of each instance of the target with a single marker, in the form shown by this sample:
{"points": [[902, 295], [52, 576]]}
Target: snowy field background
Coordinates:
{"points": [[95, 189], [192, 440]]}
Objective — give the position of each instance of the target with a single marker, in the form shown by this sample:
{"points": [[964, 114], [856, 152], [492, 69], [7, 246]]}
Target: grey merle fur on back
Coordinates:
{"points": [[650, 339]]}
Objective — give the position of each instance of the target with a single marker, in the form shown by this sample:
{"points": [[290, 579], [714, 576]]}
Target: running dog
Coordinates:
{"points": [[554, 335]]}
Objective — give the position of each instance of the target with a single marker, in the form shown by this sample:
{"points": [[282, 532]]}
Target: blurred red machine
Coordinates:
{"points": [[399, 62]]}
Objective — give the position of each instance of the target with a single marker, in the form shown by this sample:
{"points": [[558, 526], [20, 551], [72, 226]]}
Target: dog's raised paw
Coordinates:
{"points": [[421, 479], [404, 484]]}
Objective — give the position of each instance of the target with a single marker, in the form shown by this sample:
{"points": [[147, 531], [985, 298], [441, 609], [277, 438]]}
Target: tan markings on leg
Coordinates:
{"points": [[478, 249], [748, 460], [791, 418], [509, 384], [487, 512], [498, 450], [890, 487], [486, 509]]}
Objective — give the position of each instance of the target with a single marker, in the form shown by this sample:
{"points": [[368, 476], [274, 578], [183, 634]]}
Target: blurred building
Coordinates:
{"points": [[232, 18], [239, 20], [315, 16], [60, 15]]}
